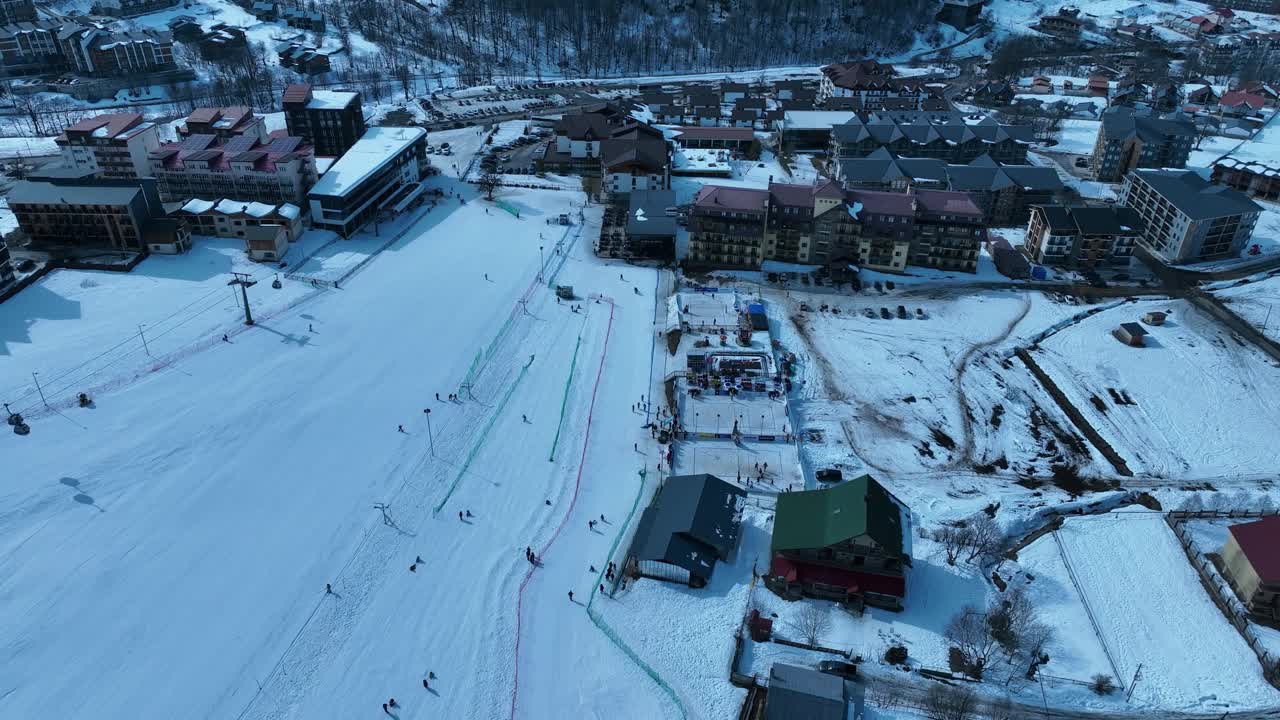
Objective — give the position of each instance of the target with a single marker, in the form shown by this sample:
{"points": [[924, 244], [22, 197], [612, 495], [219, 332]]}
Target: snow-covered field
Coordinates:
{"points": [[888, 387], [1191, 403], [1077, 136], [165, 552], [1257, 301], [1150, 610]]}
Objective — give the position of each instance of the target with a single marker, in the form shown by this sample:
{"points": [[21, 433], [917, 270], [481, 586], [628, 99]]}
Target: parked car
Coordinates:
{"points": [[837, 667], [902, 313], [884, 313]]}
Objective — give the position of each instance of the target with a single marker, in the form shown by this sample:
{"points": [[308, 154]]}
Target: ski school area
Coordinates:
{"points": [[336, 507]]}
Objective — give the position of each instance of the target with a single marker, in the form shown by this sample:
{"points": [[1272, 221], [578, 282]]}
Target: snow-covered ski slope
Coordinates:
{"points": [[165, 553]]}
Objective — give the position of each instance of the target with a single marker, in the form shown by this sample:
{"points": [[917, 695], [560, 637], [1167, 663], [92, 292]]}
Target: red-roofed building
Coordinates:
{"points": [[1239, 103], [825, 224], [871, 82], [248, 169], [1251, 563], [226, 122], [114, 145]]}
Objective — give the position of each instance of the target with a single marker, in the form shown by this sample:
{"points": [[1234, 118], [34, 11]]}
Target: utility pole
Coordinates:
{"points": [[245, 283], [38, 388], [430, 434], [541, 261], [144, 339], [1137, 675]]}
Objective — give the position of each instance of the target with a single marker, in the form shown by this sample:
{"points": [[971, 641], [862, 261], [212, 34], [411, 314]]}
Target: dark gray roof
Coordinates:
{"points": [[647, 214], [693, 521], [1196, 197], [1125, 122], [980, 175], [47, 193], [583, 126], [797, 693], [1134, 329], [1092, 220]]}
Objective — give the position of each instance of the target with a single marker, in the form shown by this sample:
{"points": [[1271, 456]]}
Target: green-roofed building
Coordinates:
{"points": [[849, 543]]}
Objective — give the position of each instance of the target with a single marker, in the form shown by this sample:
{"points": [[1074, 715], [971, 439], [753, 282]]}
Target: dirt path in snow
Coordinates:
{"points": [[965, 451]]}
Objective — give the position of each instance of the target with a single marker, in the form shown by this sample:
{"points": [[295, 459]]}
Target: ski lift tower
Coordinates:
{"points": [[245, 283]]}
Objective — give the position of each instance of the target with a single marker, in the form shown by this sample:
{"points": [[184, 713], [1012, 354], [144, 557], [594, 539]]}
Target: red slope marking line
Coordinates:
{"points": [[577, 485]]}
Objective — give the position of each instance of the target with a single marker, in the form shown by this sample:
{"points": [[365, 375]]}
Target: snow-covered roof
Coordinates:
{"points": [[815, 119], [197, 206], [289, 210], [377, 147], [330, 99], [259, 210], [230, 207]]}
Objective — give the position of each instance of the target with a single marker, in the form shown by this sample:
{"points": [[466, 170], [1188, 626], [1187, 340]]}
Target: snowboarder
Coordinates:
{"points": [[636, 289], [437, 397], [459, 515], [401, 428], [621, 278], [425, 686], [634, 446], [548, 502], [469, 514], [486, 276], [418, 559], [384, 709], [570, 596], [328, 589], [224, 338], [601, 589], [524, 418], [309, 328], [593, 568], [413, 568], [603, 520], [431, 675], [392, 702], [591, 524]]}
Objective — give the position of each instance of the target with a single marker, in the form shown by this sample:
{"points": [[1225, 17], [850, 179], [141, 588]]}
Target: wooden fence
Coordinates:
{"points": [[1220, 590]]}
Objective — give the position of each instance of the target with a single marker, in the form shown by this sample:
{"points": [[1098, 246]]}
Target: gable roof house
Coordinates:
{"points": [[1251, 563], [692, 522], [799, 693], [850, 543]]}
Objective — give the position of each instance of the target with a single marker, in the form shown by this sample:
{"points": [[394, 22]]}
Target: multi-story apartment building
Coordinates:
{"points": [[1082, 237], [13, 11], [224, 123], [1004, 193], [947, 136], [115, 145], [132, 8], [330, 120], [31, 46], [369, 177], [1186, 218], [823, 224], [870, 82], [6, 266], [92, 50], [635, 157], [1130, 139], [244, 168], [1254, 175], [727, 226], [90, 212]]}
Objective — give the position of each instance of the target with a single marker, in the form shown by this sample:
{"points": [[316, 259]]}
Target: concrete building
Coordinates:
{"points": [[949, 136], [383, 164], [870, 82], [83, 211], [635, 157], [228, 218], [651, 224], [1187, 219], [1255, 177], [224, 123], [1251, 563], [825, 224], [1004, 193], [330, 120], [14, 11], [114, 145], [31, 46], [1129, 139], [98, 52], [244, 168], [1082, 237]]}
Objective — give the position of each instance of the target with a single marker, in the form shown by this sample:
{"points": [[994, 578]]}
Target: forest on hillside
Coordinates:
{"points": [[488, 38]]}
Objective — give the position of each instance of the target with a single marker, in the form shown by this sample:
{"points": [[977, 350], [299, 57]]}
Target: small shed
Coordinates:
{"points": [[1155, 317], [693, 521], [1131, 334]]}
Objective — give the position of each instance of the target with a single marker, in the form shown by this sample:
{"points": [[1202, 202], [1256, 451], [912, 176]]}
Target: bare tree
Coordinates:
{"points": [[985, 537], [811, 623], [1009, 617], [953, 539], [488, 183], [969, 632], [950, 703]]}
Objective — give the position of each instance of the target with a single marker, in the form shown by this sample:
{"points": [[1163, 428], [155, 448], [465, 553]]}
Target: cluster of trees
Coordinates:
{"points": [[976, 539], [491, 38], [1008, 626]]}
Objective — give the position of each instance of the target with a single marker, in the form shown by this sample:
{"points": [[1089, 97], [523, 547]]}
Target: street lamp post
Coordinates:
{"points": [[430, 434], [39, 389], [540, 263]]}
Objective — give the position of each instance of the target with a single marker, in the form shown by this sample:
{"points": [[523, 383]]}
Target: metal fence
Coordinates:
{"points": [[1219, 589]]}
